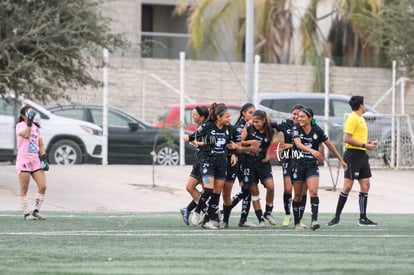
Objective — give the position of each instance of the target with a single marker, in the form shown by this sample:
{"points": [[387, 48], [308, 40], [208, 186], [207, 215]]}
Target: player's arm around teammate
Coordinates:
{"points": [[213, 162], [233, 171], [259, 134]]}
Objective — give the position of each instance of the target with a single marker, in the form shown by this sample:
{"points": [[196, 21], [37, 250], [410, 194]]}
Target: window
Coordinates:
{"points": [[6, 107], [340, 108], [114, 120], [163, 34], [70, 113]]}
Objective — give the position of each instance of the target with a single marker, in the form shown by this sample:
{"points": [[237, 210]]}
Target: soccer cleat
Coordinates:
{"points": [[315, 225], [29, 217], [270, 219], [210, 225], [286, 221], [186, 215], [299, 227], [195, 218], [247, 224], [366, 222], [262, 224], [223, 225], [37, 214], [333, 222], [303, 225]]}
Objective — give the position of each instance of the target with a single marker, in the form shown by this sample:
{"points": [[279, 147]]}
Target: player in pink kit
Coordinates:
{"points": [[30, 161]]}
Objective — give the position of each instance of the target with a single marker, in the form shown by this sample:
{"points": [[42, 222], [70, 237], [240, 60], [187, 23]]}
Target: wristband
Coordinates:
{"points": [[363, 145]]}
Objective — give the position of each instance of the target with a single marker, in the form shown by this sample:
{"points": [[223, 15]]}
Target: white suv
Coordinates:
{"points": [[67, 141]]}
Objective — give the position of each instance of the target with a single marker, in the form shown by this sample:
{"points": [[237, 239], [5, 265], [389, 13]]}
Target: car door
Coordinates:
{"points": [[128, 141]]}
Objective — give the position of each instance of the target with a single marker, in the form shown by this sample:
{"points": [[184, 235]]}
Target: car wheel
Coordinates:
{"points": [[65, 152], [167, 155]]}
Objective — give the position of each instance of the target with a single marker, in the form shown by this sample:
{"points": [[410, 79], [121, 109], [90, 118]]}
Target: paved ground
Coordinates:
{"points": [[153, 189]]}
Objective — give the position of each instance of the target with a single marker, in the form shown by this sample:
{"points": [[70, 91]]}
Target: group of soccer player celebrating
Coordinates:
{"points": [[226, 152]]}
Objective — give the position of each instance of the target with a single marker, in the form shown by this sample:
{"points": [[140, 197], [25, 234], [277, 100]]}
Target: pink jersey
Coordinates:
{"points": [[27, 146], [27, 149]]}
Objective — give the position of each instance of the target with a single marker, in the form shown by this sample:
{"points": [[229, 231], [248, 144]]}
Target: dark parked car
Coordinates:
{"points": [[130, 140]]}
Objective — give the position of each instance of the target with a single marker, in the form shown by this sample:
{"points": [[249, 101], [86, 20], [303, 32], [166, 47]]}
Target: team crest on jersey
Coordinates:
{"points": [[315, 136], [32, 147]]}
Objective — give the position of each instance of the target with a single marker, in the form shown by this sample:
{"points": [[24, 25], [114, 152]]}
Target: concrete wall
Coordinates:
{"points": [[220, 81]]}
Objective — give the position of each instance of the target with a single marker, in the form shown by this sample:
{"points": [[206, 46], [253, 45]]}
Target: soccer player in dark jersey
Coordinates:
{"points": [[259, 133], [215, 137], [284, 155], [307, 136], [199, 114], [229, 203], [356, 143]]}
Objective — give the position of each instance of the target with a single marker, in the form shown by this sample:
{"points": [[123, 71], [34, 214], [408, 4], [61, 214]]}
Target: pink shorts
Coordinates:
{"points": [[27, 164]]}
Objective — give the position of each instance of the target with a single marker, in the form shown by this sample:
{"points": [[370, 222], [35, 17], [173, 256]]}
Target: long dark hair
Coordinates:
{"points": [[216, 109], [244, 108], [267, 128], [202, 111]]}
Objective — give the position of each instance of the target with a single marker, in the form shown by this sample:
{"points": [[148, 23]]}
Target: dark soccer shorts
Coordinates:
{"points": [[300, 173], [253, 172], [358, 164]]}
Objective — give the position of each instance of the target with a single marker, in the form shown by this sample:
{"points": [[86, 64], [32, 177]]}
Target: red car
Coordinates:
{"points": [[170, 117]]}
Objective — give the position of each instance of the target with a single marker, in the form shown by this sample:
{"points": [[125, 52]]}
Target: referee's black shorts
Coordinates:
{"points": [[358, 164]]}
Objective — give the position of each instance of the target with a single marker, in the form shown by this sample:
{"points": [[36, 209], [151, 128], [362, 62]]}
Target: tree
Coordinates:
{"points": [[48, 46], [210, 23], [349, 31], [392, 29]]}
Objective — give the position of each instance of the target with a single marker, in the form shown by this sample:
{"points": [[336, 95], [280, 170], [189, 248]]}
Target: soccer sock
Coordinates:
{"points": [[315, 208], [239, 196], [269, 209], [192, 205], [296, 211], [287, 201], [39, 201], [226, 213], [341, 203], [259, 215], [213, 207], [302, 206], [363, 200], [24, 204], [203, 200], [245, 208]]}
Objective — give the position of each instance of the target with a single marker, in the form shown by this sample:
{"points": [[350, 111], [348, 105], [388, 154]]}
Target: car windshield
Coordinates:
{"points": [[114, 119]]}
